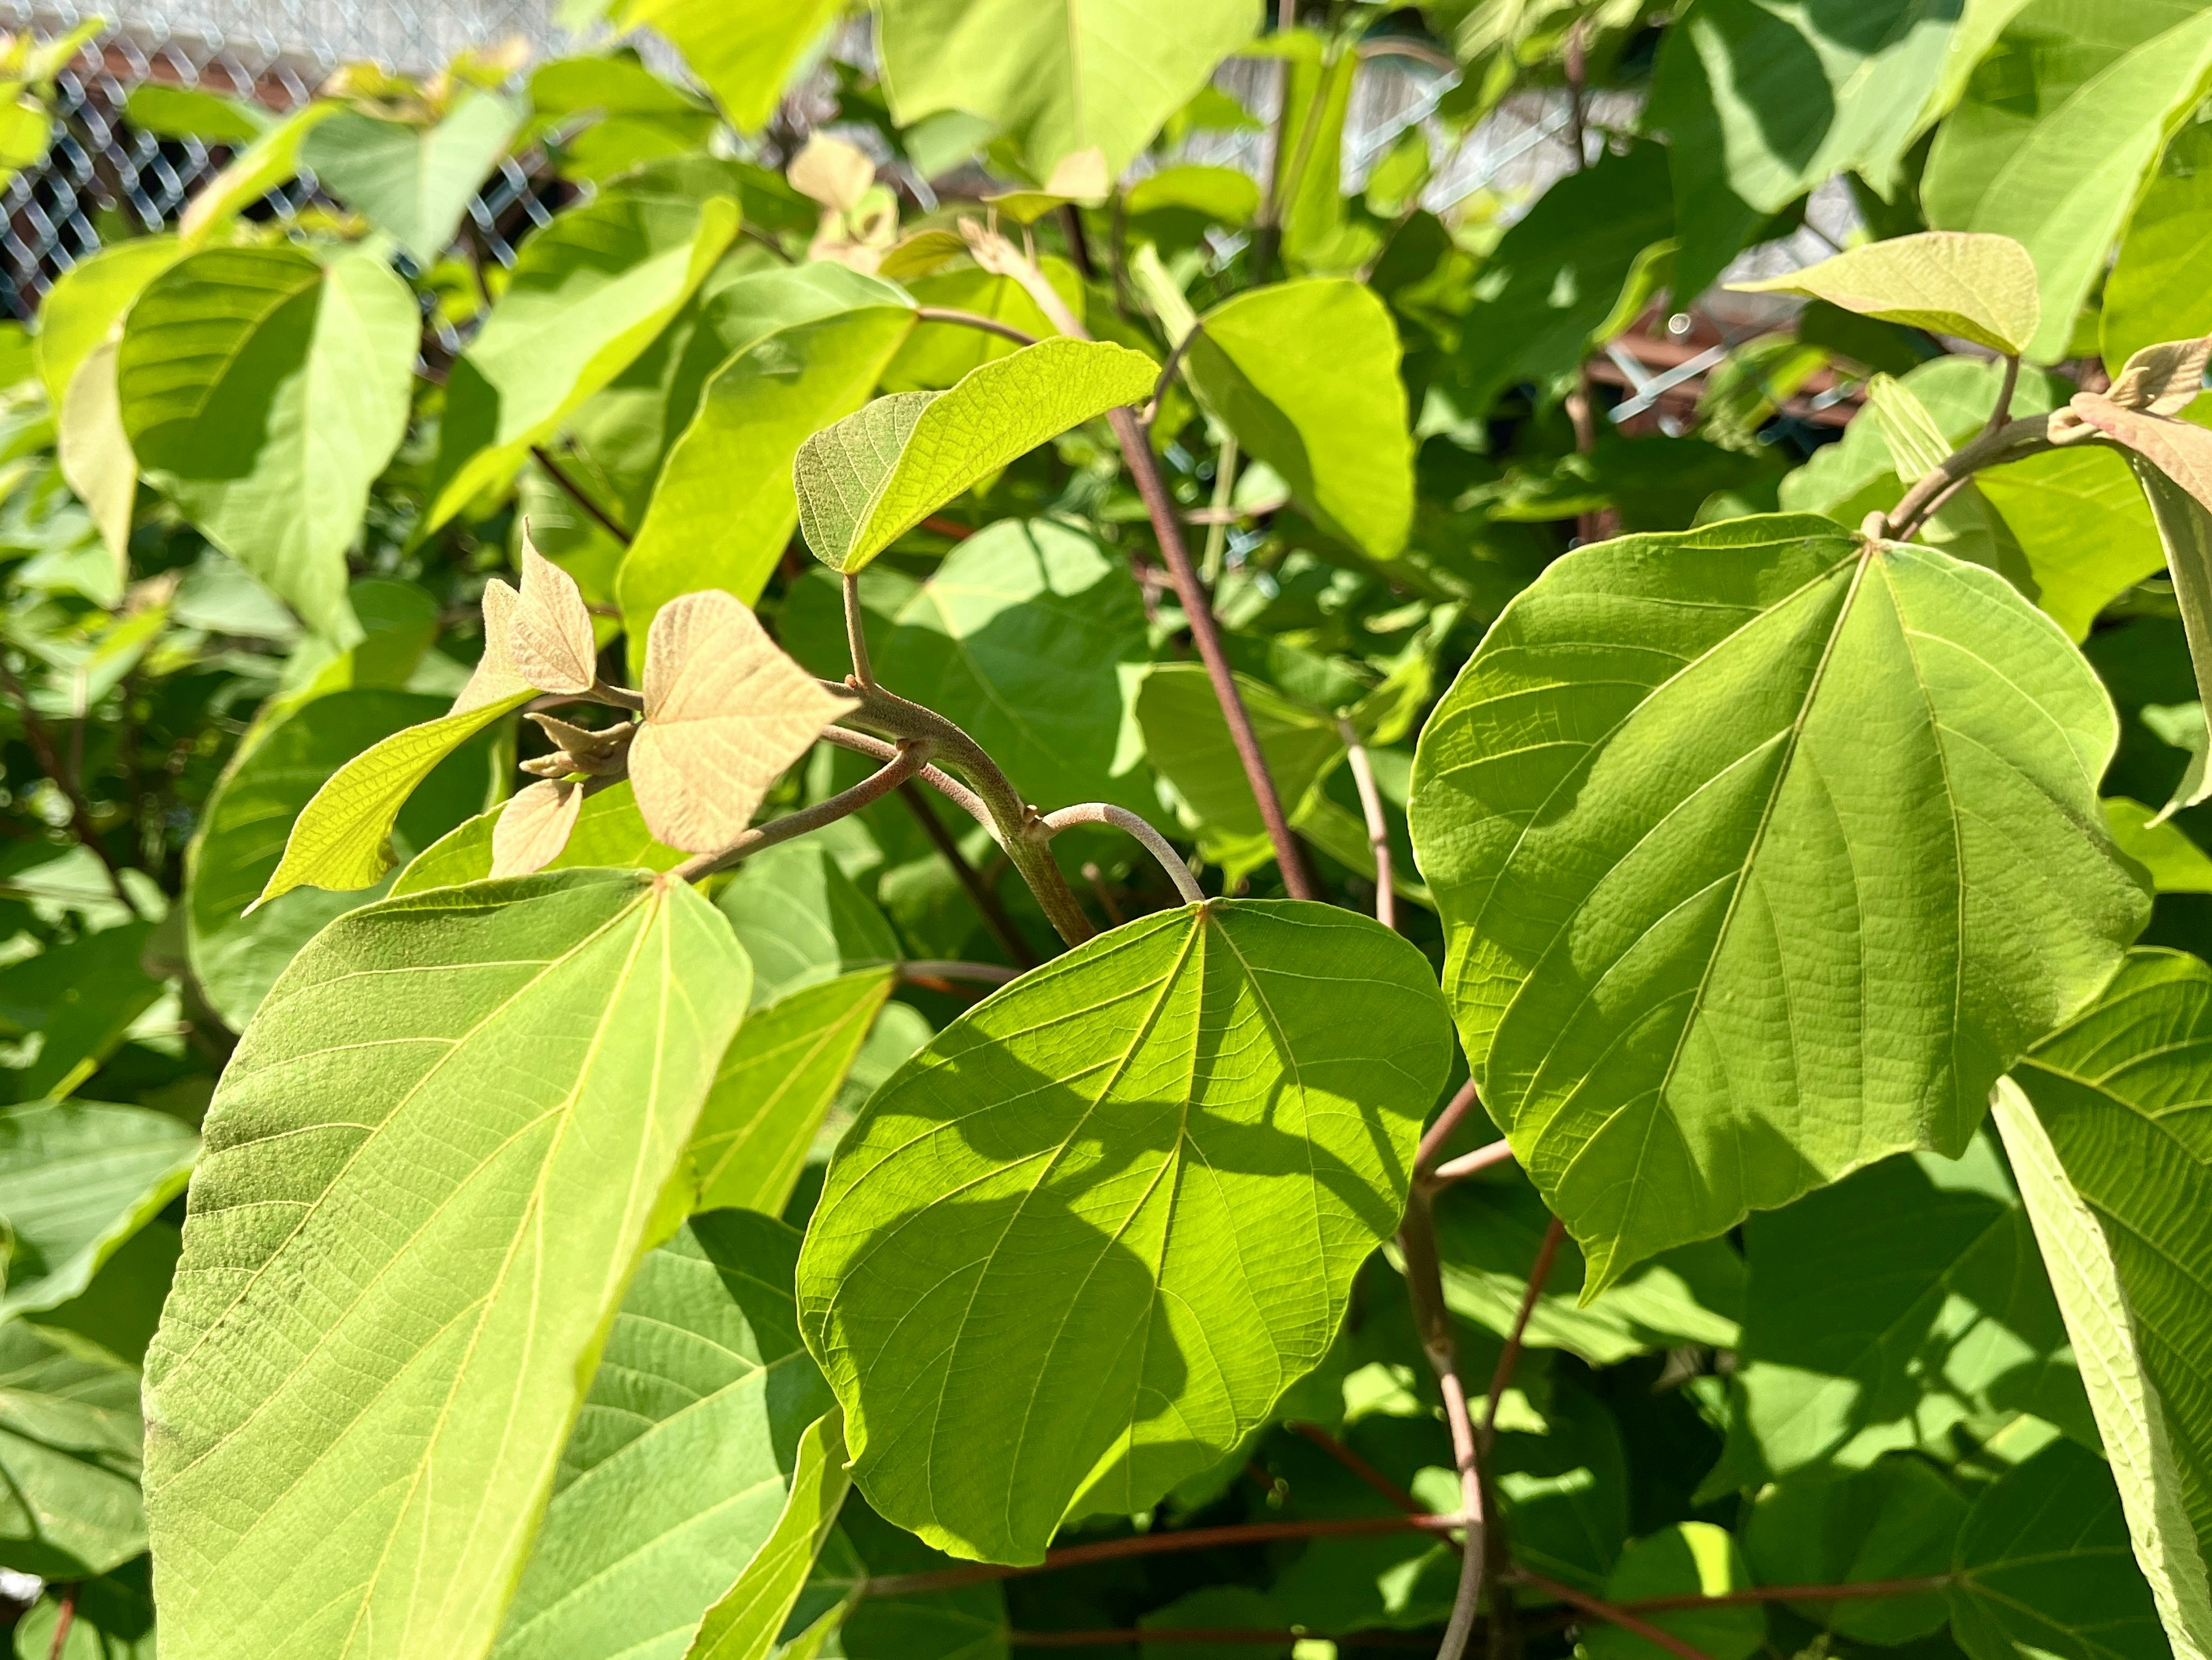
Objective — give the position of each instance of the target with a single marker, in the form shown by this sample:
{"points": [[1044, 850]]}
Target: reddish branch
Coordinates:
{"points": [[1547, 1253]]}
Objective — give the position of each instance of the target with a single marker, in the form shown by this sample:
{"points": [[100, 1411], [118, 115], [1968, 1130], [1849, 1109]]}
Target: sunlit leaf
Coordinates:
{"points": [[69, 1459], [1981, 288], [1707, 812], [1245, 1083], [534, 825], [742, 54], [269, 162], [2176, 864], [77, 1179], [1690, 1559], [413, 183], [400, 1260], [89, 299], [864, 482], [2155, 292], [750, 1618], [802, 921], [609, 833]]}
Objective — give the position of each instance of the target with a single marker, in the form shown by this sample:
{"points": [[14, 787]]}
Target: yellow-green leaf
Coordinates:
{"points": [[1980, 287]]}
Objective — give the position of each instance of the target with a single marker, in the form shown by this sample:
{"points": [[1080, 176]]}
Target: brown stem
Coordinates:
{"points": [[1102, 813], [938, 968], [41, 740], [1198, 611], [986, 902], [1398, 1496], [1417, 1243], [1616, 1615], [1499, 1151], [1201, 1635], [974, 319], [1167, 375], [912, 756], [574, 492], [876, 749], [1378, 827], [1154, 1544], [2001, 411], [2016, 439], [856, 633], [1511, 1356], [1079, 246], [1455, 1113], [1920, 1586], [62, 1624], [1577, 74]]}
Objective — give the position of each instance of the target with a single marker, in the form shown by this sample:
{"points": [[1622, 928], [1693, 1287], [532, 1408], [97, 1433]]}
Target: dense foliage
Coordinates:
{"points": [[967, 884]]}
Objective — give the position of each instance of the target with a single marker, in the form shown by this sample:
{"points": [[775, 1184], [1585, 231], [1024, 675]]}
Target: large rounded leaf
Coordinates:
{"points": [[431, 1166], [1762, 850], [1075, 1249]]}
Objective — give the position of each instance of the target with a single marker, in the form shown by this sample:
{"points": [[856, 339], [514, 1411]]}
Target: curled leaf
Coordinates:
{"points": [[834, 172], [2164, 379], [534, 825], [725, 713], [579, 749], [496, 679], [550, 638], [1979, 287]]}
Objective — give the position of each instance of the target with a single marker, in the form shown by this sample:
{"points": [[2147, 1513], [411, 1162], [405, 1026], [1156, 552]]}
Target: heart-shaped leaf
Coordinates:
{"points": [[2164, 379], [1076, 1249], [1753, 868], [866, 481], [534, 826], [412, 182], [401, 1257], [1979, 287], [550, 639], [726, 712]]}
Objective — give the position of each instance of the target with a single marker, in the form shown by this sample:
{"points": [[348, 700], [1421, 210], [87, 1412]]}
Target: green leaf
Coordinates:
{"points": [[2083, 526], [77, 1179], [588, 294], [2153, 293], [1898, 1519], [1884, 1311], [342, 837], [1025, 635], [94, 452], [117, 1313], [965, 1623], [413, 183], [626, 114], [745, 1624], [864, 482], [260, 167], [1553, 280], [1306, 375], [801, 921], [1979, 288], [1120, 1202], [1753, 868], [69, 1459], [177, 112], [725, 507], [236, 958], [80, 999], [779, 1080], [1762, 102], [936, 355], [1187, 741], [1058, 76], [680, 1460], [2057, 127], [1318, 78], [2103, 1122], [401, 1259], [745, 56], [2043, 1571], [609, 834], [1911, 432], [263, 392], [1690, 1559], [2176, 864], [1564, 1494], [1488, 1231], [89, 298], [111, 1618]]}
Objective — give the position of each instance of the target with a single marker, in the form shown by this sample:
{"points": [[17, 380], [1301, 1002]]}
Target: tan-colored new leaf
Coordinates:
{"points": [[2173, 462], [725, 713], [832, 172], [534, 826], [603, 754], [551, 641], [2164, 379], [495, 679], [1969, 283]]}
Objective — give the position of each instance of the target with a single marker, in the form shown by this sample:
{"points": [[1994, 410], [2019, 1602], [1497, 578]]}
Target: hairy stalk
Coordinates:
{"points": [[2029, 436], [974, 319], [1547, 1253], [1102, 812], [1155, 1544], [1616, 1615], [574, 492], [1499, 1151], [979, 892], [1014, 823], [876, 749], [856, 633], [913, 756], [1378, 827], [1417, 1241], [41, 737]]}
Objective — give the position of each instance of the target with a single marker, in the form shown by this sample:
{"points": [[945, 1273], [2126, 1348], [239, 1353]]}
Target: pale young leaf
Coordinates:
{"points": [[534, 825], [834, 172], [1081, 176], [2165, 378], [725, 713], [551, 637], [597, 754], [1977, 286], [1915, 439], [496, 679]]}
